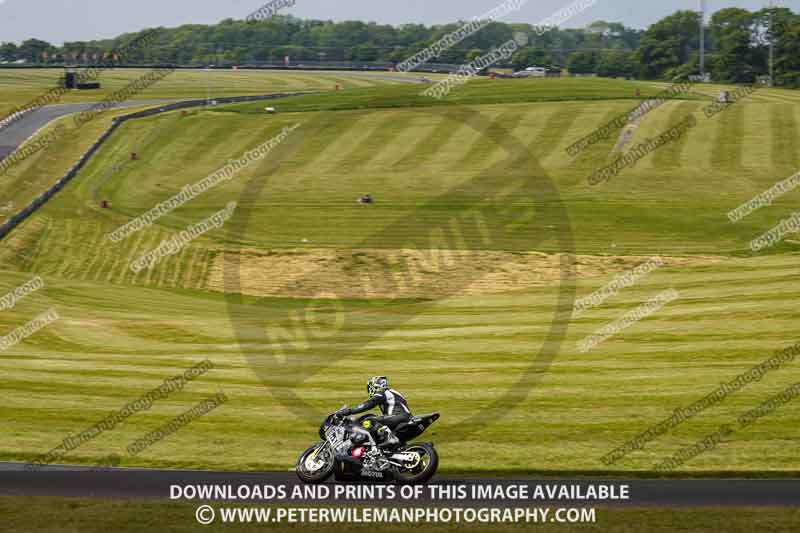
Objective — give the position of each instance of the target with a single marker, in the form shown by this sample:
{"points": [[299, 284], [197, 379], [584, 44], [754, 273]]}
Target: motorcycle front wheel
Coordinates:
{"points": [[316, 464], [423, 470]]}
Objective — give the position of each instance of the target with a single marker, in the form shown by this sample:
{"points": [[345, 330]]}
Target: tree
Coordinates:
{"points": [[605, 28], [582, 62], [473, 54], [732, 31], [685, 71], [32, 50], [617, 65], [668, 43], [787, 59], [366, 52], [489, 37], [531, 57], [779, 25], [8, 52], [239, 41]]}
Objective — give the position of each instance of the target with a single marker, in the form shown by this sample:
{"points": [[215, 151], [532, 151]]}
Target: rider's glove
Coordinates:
{"points": [[343, 412]]}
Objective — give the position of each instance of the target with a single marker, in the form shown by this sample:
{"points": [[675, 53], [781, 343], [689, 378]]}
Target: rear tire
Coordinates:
{"points": [[422, 473], [316, 470]]}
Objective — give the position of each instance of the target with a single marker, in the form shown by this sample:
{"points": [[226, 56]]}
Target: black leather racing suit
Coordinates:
{"points": [[393, 405]]}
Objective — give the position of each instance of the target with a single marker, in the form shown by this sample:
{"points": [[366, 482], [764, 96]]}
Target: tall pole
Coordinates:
{"points": [[771, 43], [703, 38]]}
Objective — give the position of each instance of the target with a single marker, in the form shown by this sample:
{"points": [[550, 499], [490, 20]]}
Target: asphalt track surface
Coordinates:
{"points": [[147, 484]]}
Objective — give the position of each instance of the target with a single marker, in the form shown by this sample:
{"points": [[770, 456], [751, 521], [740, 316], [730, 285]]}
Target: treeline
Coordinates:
{"points": [[234, 41], [737, 42]]}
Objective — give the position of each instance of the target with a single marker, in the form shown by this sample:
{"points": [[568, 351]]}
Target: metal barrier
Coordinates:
{"points": [[265, 65]]}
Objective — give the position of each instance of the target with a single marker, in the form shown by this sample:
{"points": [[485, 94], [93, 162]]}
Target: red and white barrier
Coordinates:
{"points": [[14, 117]]}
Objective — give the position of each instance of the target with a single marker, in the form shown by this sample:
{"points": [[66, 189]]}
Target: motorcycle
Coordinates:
{"points": [[350, 453]]}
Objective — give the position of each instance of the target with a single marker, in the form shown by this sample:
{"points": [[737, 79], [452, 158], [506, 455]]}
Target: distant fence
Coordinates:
{"points": [[342, 65], [42, 199], [266, 65]]}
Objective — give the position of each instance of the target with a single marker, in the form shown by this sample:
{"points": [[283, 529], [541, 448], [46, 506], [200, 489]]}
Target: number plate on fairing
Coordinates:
{"points": [[335, 436]]}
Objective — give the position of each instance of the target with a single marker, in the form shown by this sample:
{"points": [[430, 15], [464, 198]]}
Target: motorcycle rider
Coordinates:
{"points": [[394, 410]]}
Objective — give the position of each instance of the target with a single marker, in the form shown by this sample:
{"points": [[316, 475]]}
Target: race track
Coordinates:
{"points": [[18, 132], [12, 136]]}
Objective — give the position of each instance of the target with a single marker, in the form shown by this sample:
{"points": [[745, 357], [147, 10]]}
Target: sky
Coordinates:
{"points": [[57, 21]]}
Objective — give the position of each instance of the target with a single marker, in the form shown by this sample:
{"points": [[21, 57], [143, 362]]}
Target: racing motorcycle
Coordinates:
{"points": [[350, 453]]}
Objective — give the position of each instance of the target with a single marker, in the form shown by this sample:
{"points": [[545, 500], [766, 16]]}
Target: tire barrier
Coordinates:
{"points": [[42, 199]]}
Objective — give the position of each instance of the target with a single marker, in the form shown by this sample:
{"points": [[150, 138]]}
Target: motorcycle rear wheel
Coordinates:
{"points": [[317, 469], [422, 472]]}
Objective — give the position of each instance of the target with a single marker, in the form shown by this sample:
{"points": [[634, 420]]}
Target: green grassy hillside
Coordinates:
{"points": [[477, 178]]}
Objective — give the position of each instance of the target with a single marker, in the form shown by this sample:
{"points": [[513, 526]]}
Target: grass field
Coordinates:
{"points": [[459, 337], [21, 86]]}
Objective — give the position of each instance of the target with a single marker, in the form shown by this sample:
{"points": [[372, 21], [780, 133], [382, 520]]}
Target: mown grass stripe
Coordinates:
{"points": [[113, 269], [726, 150], [186, 279], [318, 135], [94, 248], [669, 156], [202, 278], [349, 144], [430, 146], [137, 248], [553, 133], [491, 139], [381, 139], [104, 268], [67, 246], [595, 156], [784, 136], [177, 269]]}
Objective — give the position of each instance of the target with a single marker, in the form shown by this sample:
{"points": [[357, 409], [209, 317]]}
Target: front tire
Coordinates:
{"points": [[316, 464], [421, 472]]}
